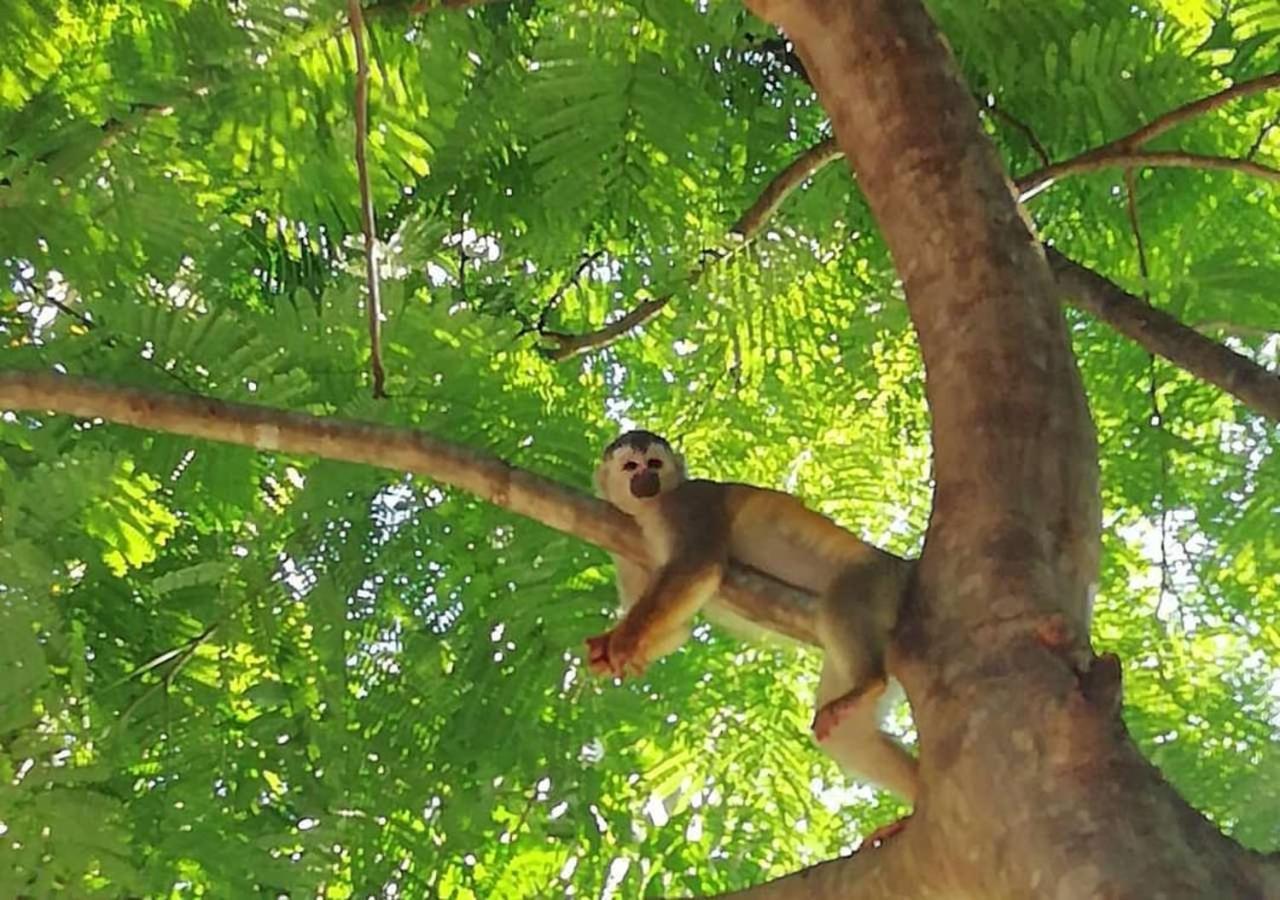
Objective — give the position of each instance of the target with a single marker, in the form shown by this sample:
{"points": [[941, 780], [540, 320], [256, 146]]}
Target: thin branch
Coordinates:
{"points": [[571, 282], [1262, 136], [568, 346], [1008, 118], [1124, 150], [184, 653], [742, 232], [1172, 119], [1153, 393], [1032, 183], [751, 594], [1161, 333], [367, 219], [800, 169]]}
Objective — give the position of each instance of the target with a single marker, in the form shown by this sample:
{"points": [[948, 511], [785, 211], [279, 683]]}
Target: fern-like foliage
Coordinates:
{"points": [[242, 673]]}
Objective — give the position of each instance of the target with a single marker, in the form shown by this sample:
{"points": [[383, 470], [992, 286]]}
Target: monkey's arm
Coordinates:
{"points": [[692, 531], [658, 622]]}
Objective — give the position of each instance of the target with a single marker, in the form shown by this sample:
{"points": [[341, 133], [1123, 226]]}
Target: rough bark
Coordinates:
{"points": [[1030, 786], [761, 599], [1164, 335]]}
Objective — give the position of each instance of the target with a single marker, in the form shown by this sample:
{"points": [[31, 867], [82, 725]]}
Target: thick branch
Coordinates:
{"points": [[1016, 501], [1161, 333], [884, 873], [367, 219], [743, 230], [757, 597]]}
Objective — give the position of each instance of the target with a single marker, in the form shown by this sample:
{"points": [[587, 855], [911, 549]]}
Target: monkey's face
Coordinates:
{"points": [[636, 468]]}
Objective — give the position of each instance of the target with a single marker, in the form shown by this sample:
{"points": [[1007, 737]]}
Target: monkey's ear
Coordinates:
{"points": [[678, 461]]}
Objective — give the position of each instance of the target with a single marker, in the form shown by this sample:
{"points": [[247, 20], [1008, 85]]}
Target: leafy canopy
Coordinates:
{"points": [[238, 673]]}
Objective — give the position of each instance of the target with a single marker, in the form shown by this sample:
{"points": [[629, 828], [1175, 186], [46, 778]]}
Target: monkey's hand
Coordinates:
{"points": [[614, 653]]}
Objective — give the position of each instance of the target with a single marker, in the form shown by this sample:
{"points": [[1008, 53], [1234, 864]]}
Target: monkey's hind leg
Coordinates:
{"points": [[848, 730], [832, 713]]}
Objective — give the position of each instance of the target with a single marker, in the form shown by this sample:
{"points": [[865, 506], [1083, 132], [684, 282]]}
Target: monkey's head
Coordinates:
{"points": [[635, 468]]}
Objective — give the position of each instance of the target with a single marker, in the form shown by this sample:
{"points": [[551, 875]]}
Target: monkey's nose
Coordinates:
{"points": [[646, 484]]}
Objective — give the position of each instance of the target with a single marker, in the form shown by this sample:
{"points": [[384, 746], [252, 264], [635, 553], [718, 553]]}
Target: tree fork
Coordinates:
{"points": [[1030, 785]]}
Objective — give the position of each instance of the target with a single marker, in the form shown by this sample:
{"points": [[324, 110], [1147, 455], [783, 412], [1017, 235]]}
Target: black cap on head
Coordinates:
{"points": [[636, 440]]}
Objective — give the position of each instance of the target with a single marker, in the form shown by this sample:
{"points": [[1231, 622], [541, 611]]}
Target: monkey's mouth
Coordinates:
{"points": [[646, 484]]}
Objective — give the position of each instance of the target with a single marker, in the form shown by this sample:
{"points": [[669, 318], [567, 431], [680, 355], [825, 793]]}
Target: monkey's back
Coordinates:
{"points": [[768, 530]]}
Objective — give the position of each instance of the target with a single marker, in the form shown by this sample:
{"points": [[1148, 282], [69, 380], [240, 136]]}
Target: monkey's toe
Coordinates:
{"points": [[884, 832], [598, 662]]}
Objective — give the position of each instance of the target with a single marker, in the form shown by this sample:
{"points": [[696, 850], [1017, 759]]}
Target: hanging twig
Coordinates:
{"points": [[368, 222], [1157, 417]]}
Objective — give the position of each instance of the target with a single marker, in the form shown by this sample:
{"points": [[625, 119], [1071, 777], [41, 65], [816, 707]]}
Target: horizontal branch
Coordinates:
{"points": [[1124, 151], [757, 597], [1095, 160], [1162, 334], [1121, 152]]}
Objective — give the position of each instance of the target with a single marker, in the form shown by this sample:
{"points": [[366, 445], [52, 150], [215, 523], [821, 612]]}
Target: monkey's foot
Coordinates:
{"points": [[614, 654], [884, 832], [832, 714]]}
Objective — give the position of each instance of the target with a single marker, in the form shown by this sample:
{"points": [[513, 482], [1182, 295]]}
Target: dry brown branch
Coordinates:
{"points": [[1161, 333], [1188, 111], [1034, 182], [1124, 151], [367, 219], [780, 187], [1121, 152], [568, 346], [763, 600]]}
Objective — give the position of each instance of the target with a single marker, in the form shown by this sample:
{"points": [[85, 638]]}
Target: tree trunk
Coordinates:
{"points": [[1031, 787]]}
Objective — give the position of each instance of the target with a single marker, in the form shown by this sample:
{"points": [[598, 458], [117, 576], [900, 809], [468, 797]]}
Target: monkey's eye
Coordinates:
{"points": [[630, 465], [655, 464]]}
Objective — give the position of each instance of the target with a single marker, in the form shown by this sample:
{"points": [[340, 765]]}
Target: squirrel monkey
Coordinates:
{"points": [[691, 528]]}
